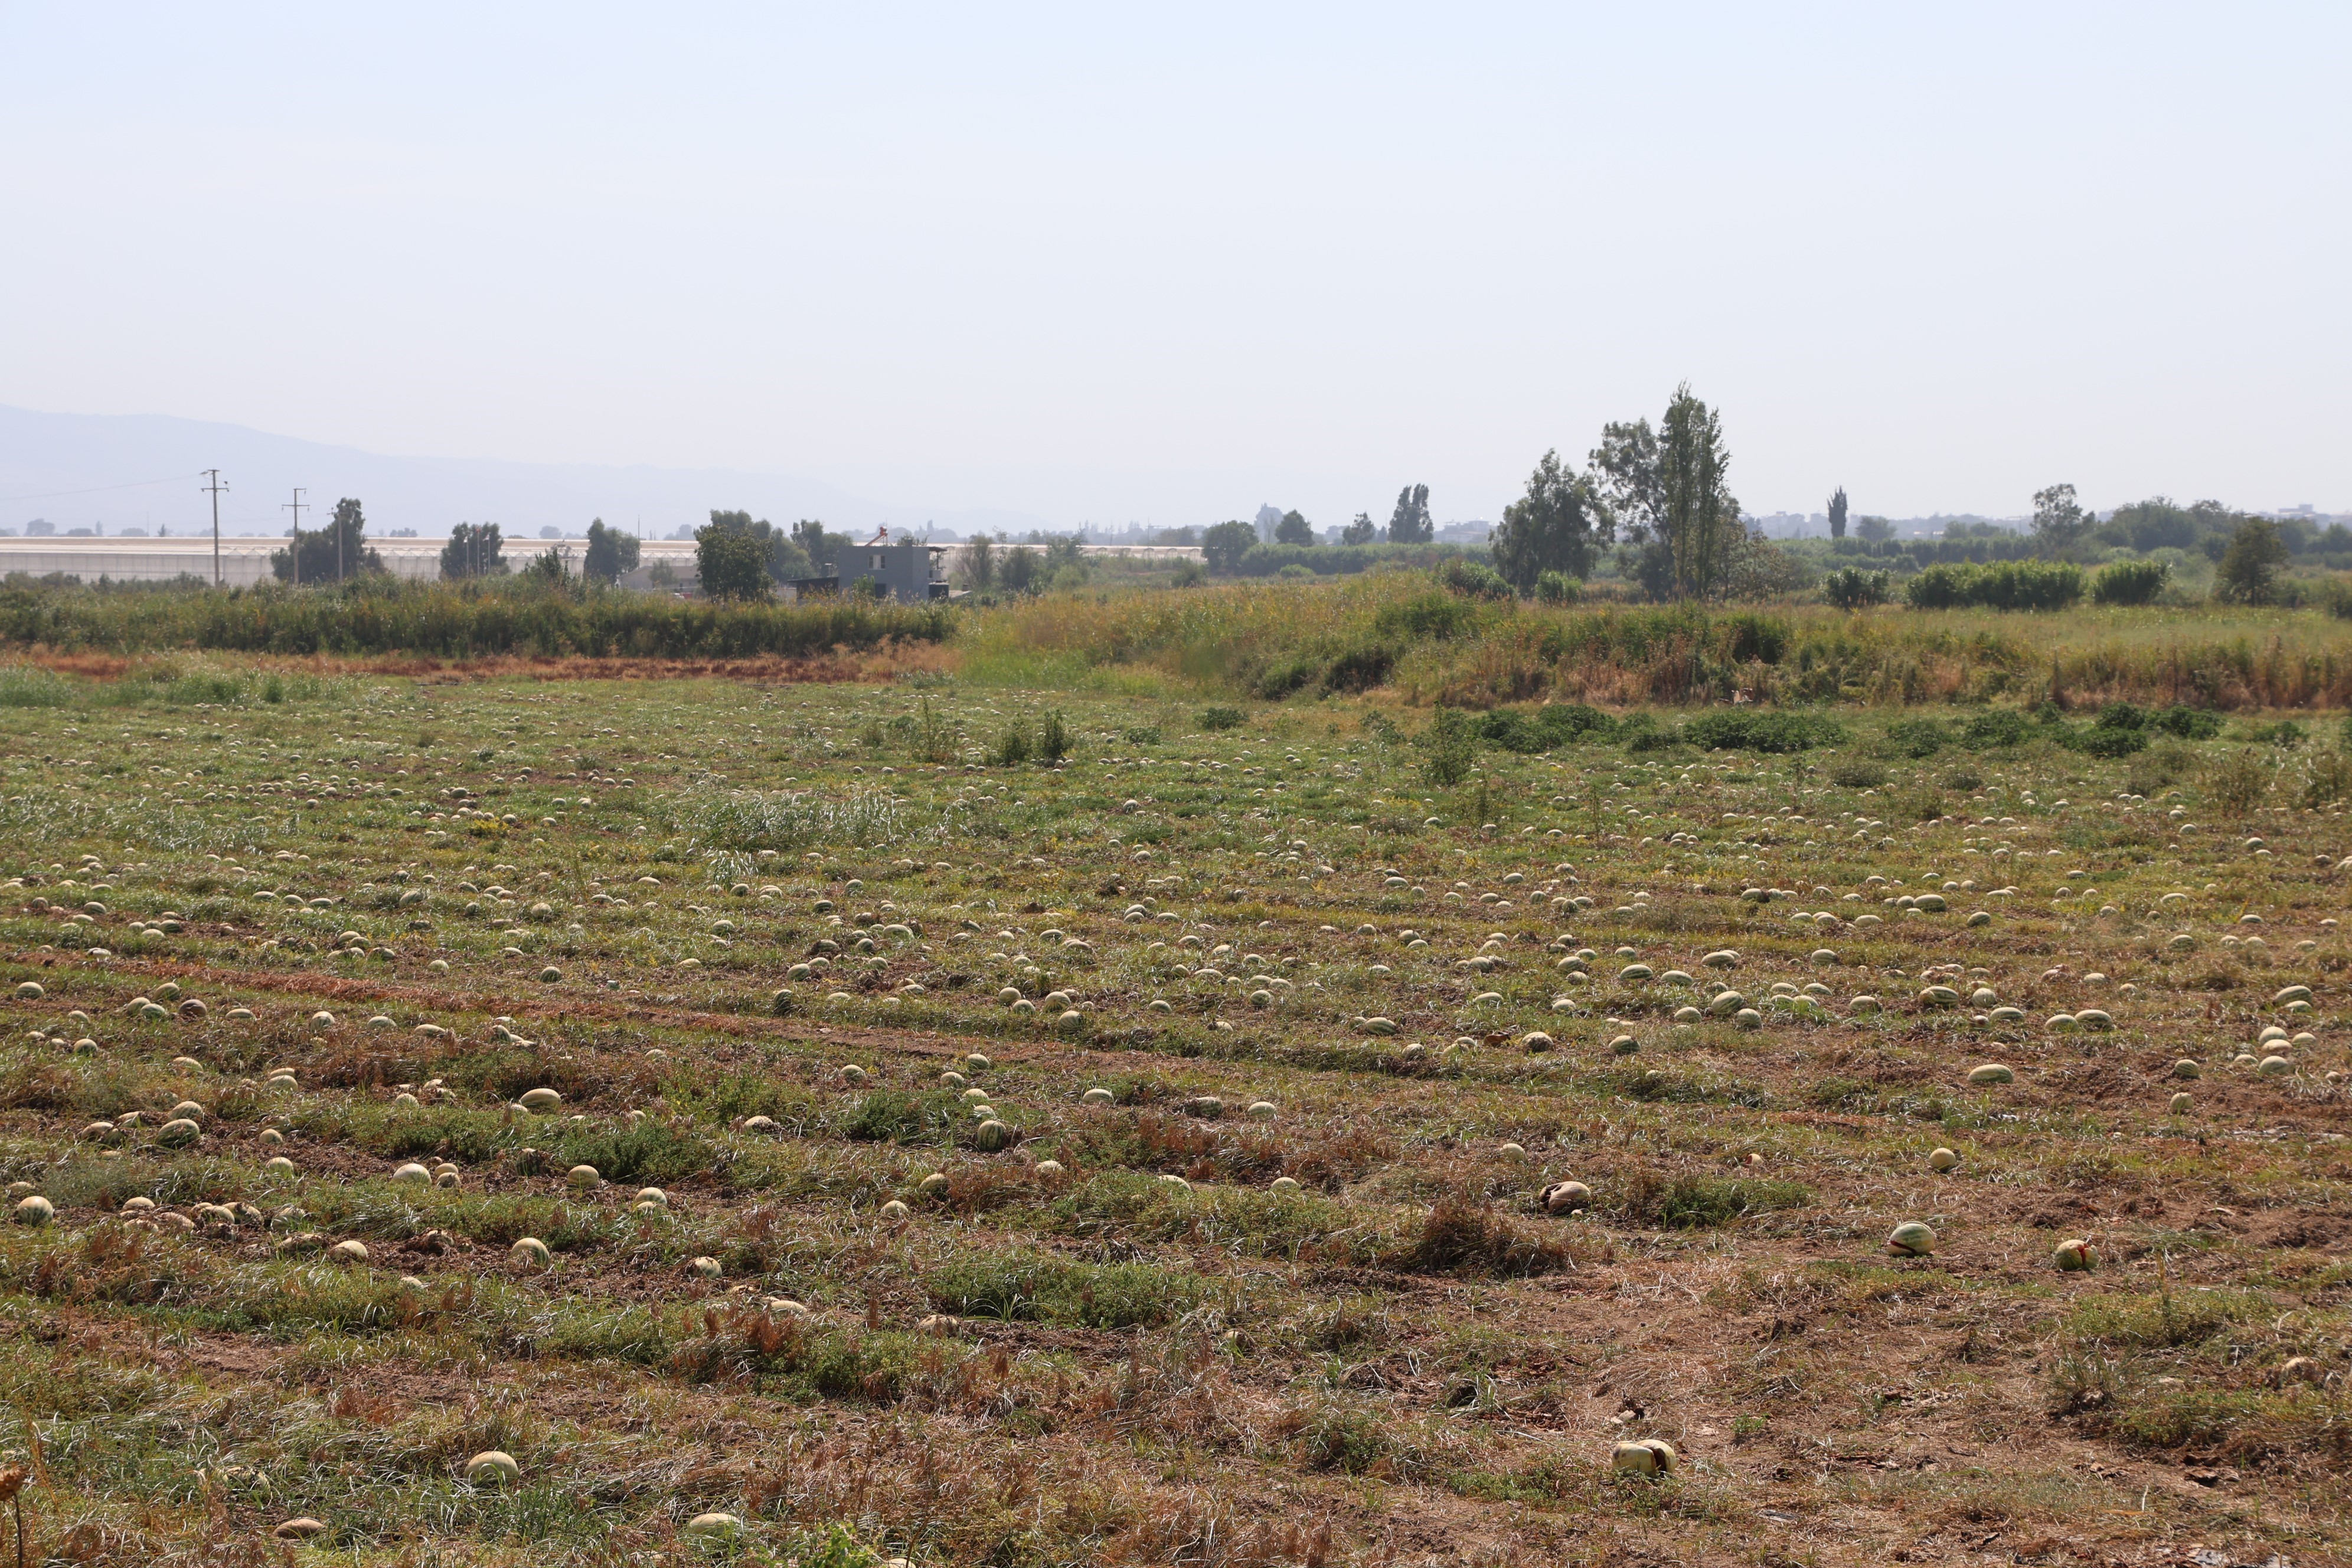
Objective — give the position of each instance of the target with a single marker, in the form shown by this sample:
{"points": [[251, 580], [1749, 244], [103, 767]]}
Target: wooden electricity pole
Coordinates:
{"points": [[296, 506], [215, 487]]}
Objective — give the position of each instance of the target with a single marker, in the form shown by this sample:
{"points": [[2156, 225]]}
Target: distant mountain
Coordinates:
{"points": [[80, 471]]}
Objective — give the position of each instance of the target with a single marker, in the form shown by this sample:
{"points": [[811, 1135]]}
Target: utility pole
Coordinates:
{"points": [[215, 487], [295, 554]]}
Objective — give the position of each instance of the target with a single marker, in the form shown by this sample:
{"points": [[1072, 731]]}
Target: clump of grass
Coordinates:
{"points": [[30, 686], [1699, 1203], [2238, 781], [1034, 1288], [1461, 1236]]}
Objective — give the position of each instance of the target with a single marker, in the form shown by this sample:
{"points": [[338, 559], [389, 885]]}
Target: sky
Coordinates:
{"points": [[1108, 265]]}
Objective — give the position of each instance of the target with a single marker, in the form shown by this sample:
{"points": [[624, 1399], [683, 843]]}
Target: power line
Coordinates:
{"points": [[96, 489]]}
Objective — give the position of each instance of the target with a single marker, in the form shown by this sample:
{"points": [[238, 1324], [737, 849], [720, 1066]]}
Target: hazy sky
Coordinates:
{"points": [[1102, 264]]}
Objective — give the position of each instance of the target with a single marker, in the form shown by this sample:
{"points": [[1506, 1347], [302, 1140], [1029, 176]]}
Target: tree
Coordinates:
{"points": [[1837, 513], [1702, 517], [330, 553], [1553, 527], [1666, 489], [475, 550], [1064, 565], [548, 568], [980, 562], [1294, 528], [731, 555], [2059, 521], [1268, 518], [2249, 568], [1872, 529], [820, 549], [1019, 569], [1224, 545], [1363, 531], [1410, 522], [611, 556]]}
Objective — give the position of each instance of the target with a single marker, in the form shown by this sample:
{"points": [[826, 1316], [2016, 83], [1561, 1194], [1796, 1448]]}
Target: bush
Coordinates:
{"points": [[2129, 582], [2106, 742], [1542, 729], [1557, 589], [1997, 727], [2286, 734], [1649, 737], [2189, 723], [1359, 670], [1770, 732], [1472, 580], [2158, 766], [1011, 748], [1855, 773], [475, 619], [1918, 738], [2002, 585], [2327, 780], [1450, 741], [2237, 781], [1851, 588], [1214, 719], [1053, 737], [2119, 730]]}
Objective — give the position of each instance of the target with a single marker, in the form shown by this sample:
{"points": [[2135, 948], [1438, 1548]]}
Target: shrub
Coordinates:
{"points": [[1769, 732], [1649, 737], [2189, 723], [1997, 727], [1214, 719], [1359, 670], [1557, 589], [2327, 780], [1918, 738], [2129, 582], [1472, 580], [1851, 588], [1450, 741], [2121, 716], [1011, 748], [1053, 737], [2286, 734], [2158, 766], [1542, 729], [2237, 781], [1939, 587], [2100, 742], [1855, 773], [2002, 585]]}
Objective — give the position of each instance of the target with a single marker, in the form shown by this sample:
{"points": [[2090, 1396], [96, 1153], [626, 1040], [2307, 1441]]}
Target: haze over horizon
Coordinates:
{"points": [[1082, 267]]}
